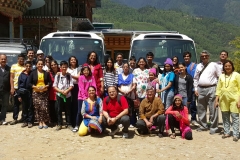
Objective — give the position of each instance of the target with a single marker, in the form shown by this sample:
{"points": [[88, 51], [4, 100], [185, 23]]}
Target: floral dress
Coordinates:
{"points": [[141, 79]]}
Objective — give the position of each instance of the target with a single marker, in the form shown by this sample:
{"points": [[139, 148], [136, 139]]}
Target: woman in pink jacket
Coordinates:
{"points": [[177, 117], [85, 80]]}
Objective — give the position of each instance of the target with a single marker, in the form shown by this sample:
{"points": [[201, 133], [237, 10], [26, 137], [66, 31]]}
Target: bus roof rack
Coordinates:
{"points": [[137, 33]]}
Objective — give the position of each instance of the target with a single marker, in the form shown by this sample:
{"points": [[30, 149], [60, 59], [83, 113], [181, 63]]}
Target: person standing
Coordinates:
{"points": [[132, 63], [222, 58], [119, 63], [205, 81], [30, 57], [97, 72], [228, 99], [151, 64], [39, 81], [40, 55], [4, 87], [16, 70], [191, 68]]}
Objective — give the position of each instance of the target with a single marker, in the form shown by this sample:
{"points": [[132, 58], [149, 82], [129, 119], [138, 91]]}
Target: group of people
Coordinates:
{"points": [[135, 94]]}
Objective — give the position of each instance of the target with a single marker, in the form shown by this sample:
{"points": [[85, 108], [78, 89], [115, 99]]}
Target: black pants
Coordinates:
{"points": [[74, 106], [60, 105], [157, 121], [173, 123], [16, 107], [124, 120], [53, 111], [27, 107]]}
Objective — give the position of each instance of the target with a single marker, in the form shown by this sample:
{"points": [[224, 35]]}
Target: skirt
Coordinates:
{"points": [[40, 103]]}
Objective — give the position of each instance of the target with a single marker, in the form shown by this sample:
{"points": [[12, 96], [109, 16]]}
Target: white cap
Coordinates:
{"points": [[40, 52]]}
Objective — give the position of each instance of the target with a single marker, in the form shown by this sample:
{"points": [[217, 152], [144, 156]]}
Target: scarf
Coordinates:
{"points": [[126, 81]]}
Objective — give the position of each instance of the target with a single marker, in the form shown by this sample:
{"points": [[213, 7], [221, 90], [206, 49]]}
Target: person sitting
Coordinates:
{"points": [[115, 112], [151, 113], [177, 117], [91, 112]]}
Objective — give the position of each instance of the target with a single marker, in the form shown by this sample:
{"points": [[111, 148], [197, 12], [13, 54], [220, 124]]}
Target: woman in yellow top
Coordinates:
{"points": [[39, 81], [228, 98]]}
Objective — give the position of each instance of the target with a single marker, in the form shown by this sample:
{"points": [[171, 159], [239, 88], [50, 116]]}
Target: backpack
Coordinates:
{"points": [[68, 78], [129, 101]]}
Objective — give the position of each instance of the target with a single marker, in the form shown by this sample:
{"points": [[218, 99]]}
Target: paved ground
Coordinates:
{"points": [[27, 144]]}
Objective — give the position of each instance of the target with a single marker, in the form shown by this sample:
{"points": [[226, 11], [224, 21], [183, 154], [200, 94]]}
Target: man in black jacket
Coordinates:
{"points": [[4, 87]]}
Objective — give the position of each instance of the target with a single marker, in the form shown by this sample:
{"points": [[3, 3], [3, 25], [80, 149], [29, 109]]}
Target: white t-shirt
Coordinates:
{"points": [[73, 72]]}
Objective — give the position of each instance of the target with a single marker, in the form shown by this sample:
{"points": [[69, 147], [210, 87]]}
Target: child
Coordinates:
{"points": [[63, 84], [153, 81], [85, 80], [24, 96]]}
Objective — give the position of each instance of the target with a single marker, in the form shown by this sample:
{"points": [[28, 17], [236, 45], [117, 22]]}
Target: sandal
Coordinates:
{"points": [[172, 136], [225, 136]]}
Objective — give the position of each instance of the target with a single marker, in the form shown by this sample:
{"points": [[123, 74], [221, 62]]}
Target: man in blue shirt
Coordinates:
{"points": [[191, 67]]}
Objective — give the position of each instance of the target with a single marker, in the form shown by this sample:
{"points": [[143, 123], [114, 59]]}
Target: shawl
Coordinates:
{"points": [[126, 81]]}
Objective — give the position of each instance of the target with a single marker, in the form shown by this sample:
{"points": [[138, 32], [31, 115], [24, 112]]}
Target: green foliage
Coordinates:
{"points": [[208, 33], [224, 10], [236, 59]]}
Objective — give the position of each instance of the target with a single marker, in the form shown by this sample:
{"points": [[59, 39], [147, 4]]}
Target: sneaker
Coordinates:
{"points": [[69, 127], [30, 125], [194, 123], [24, 125], [160, 135], [120, 125], [131, 126], [137, 132], [114, 132], [4, 123], [75, 129], [125, 135], [13, 122], [58, 128]]}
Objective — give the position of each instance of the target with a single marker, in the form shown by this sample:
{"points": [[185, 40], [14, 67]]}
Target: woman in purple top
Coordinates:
{"points": [[85, 80]]}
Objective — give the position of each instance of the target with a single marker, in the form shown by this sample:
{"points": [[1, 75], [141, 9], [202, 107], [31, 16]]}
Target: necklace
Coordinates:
{"points": [[228, 80]]}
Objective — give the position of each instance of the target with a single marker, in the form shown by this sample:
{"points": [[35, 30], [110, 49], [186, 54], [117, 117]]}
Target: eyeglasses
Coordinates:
{"points": [[204, 56]]}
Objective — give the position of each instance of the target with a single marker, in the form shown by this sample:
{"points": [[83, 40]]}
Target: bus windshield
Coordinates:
{"points": [[163, 49], [62, 48]]}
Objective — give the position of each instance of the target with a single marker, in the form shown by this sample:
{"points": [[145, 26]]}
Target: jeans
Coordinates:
{"points": [[5, 98], [193, 107], [158, 121], [169, 95], [79, 117], [184, 101], [27, 107], [235, 123], [124, 120], [60, 104]]}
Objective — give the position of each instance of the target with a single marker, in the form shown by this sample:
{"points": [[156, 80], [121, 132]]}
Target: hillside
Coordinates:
{"points": [[224, 10], [209, 34]]}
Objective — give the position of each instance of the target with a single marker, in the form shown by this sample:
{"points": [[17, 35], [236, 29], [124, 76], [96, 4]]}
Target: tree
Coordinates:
{"points": [[236, 59]]}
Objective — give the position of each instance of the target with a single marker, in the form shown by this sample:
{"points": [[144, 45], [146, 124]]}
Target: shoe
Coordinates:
{"points": [[131, 126], [1, 122], [225, 136], [4, 123], [30, 125], [13, 122], [40, 127], [24, 125], [20, 120], [69, 127], [194, 123], [46, 127], [200, 129], [235, 139], [213, 131], [58, 128], [114, 132], [125, 135], [120, 125], [75, 129], [160, 135]]}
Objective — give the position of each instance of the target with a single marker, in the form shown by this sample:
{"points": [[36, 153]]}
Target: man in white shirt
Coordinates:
{"points": [[222, 57], [205, 82], [119, 64]]}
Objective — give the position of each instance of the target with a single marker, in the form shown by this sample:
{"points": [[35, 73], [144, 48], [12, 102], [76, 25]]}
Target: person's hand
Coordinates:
{"points": [[216, 104], [188, 103], [196, 93], [20, 99], [178, 115], [158, 90], [149, 124], [12, 91], [65, 92], [238, 104], [151, 119], [110, 121], [100, 120]]}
